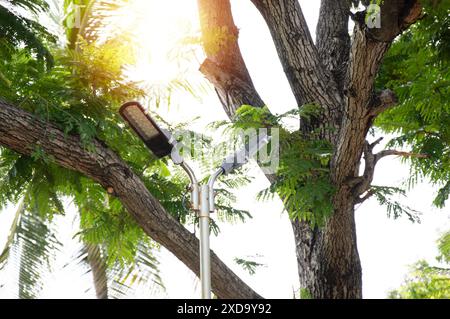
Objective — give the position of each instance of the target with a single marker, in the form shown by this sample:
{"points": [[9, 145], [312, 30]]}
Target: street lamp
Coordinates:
{"points": [[154, 137], [162, 143]]}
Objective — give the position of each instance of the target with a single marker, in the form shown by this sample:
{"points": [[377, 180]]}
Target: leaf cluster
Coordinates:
{"points": [[417, 69]]}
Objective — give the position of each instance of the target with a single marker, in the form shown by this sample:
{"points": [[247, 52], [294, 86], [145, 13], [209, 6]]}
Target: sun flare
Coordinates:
{"points": [[156, 28]]}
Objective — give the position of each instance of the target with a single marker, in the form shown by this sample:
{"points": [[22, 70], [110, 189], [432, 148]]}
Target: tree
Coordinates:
{"points": [[426, 281], [337, 74], [333, 82]]}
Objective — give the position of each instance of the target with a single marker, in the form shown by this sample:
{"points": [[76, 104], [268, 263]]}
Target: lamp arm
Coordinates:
{"points": [[211, 181], [241, 157], [194, 187]]}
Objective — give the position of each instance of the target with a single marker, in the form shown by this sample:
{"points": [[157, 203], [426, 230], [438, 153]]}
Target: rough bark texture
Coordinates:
{"points": [[310, 81], [333, 39], [338, 74], [23, 132]]}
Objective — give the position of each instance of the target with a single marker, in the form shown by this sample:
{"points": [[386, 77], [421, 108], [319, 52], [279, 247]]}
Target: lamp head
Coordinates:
{"points": [[156, 139]]}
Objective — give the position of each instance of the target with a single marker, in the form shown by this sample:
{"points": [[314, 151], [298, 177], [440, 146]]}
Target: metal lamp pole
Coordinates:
{"points": [[162, 143], [202, 203]]}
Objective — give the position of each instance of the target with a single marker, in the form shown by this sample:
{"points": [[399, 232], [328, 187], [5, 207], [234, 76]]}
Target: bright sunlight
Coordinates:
{"points": [[156, 29]]}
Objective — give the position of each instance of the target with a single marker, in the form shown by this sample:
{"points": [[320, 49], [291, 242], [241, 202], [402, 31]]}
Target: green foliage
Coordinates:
{"points": [[122, 280], [248, 116], [305, 294], [444, 248], [16, 172], [81, 94], [426, 281], [417, 69], [303, 181], [103, 221], [34, 6], [37, 244], [88, 19], [16, 29], [248, 265], [395, 209], [144, 271], [225, 199], [33, 242]]}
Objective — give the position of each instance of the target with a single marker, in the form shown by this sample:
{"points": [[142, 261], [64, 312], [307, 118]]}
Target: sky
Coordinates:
{"points": [[387, 247]]}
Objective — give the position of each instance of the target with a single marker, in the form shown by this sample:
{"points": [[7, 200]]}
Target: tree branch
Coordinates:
{"points": [[22, 132], [368, 195], [396, 17], [333, 38], [362, 183], [385, 153], [217, 14], [370, 45], [382, 102], [366, 55], [225, 67], [309, 80], [369, 168]]}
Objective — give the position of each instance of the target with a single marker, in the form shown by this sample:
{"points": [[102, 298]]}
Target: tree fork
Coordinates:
{"points": [[328, 260]]}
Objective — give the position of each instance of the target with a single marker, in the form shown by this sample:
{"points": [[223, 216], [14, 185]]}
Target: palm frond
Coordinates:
{"points": [[143, 274], [34, 6], [120, 280], [30, 248], [17, 29], [4, 256], [31, 245], [87, 19], [35, 247]]}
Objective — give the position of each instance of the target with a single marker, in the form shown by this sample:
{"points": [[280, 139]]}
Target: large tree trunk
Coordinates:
{"points": [[328, 260], [338, 74], [23, 132]]}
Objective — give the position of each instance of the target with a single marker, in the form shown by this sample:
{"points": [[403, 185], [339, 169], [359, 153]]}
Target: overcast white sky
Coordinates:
{"points": [[386, 246]]}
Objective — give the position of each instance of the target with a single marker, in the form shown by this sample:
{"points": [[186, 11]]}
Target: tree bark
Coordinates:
{"points": [[338, 75], [333, 38], [328, 259], [310, 81], [23, 132]]}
